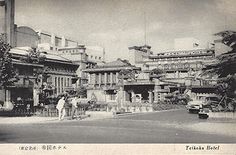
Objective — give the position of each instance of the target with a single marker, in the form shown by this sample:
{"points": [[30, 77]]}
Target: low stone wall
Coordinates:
{"points": [[222, 115], [159, 107]]}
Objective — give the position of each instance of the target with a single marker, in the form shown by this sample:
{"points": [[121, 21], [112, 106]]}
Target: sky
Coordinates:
{"points": [[119, 24]]}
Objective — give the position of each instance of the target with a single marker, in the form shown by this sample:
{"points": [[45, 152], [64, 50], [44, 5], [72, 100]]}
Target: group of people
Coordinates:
{"points": [[61, 108]]}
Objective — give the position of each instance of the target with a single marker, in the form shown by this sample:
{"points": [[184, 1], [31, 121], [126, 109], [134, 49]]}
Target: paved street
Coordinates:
{"points": [[160, 127]]}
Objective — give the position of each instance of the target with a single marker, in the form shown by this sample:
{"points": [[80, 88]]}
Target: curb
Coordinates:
{"points": [[143, 113]]}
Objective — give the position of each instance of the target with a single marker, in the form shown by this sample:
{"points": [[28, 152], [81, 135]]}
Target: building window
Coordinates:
{"points": [[68, 82], [55, 84], [64, 82], [112, 97], [59, 88], [102, 78], [62, 86], [96, 78]]}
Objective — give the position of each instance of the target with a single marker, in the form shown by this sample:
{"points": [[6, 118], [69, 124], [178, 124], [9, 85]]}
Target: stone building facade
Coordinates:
{"points": [[45, 72], [105, 81]]}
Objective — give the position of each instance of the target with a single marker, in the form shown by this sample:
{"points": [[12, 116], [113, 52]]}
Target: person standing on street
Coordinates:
{"points": [[74, 107], [61, 109]]}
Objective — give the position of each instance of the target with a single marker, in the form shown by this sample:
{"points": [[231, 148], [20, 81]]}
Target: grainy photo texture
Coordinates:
{"points": [[118, 72]]}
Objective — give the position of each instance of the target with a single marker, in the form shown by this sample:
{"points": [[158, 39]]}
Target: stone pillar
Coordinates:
{"points": [[63, 41], [117, 74], [2, 17], [8, 95], [105, 79], [99, 79], [36, 96], [111, 74], [156, 92], [8, 104], [53, 38], [177, 74], [150, 97], [157, 87], [133, 97]]}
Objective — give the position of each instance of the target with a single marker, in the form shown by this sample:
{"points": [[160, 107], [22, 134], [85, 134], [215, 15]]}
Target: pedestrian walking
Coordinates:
{"points": [[74, 107], [28, 107], [61, 108]]}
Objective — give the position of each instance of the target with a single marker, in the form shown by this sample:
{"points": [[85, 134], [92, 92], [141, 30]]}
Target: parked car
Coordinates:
{"points": [[194, 106]]}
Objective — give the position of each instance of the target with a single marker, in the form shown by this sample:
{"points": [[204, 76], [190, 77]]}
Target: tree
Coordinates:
{"points": [[82, 92], [157, 73], [126, 74], [225, 63], [225, 66], [7, 72]]}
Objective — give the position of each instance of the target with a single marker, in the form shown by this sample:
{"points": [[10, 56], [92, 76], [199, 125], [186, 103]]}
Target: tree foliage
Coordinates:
{"points": [[157, 73], [82, 92], [226, 63], [126, 74], [225, 66], [229, 39], [7, 72]]}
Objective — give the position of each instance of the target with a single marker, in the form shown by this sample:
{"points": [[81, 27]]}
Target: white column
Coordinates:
{"points": [[117, 77], [111, 74], [36, 96], [105, 78], [53, 39], [63, 42], [8, 95], [99, 79], [150, 98]]}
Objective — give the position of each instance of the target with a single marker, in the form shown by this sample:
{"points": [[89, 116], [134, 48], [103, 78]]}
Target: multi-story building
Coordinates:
{"points": [[85, 57], [105, 81], [181, 69], [36, 73]]}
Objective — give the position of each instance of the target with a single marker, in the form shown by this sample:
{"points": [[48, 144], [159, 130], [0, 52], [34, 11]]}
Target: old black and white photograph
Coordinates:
{"points": [[117, 72]]}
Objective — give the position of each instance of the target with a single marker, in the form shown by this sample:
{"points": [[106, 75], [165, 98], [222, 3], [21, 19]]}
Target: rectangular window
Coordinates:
{"points": [[96, 78], [112, 97], [62, 86], [59, 88], [68, 82], [55, 84]]}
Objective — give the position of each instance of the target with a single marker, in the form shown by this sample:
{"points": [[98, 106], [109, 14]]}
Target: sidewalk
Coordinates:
{"points": [[27, 120], [37, 119]]}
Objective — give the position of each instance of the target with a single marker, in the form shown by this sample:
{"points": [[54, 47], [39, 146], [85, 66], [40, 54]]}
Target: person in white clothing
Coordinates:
{"points": [[74, 107], [61, 109]]}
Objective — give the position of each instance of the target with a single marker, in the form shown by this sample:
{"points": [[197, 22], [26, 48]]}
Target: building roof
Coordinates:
{"points": [[183, 53], [117, 63], [113, 66], [49, 56], [18, 62]]}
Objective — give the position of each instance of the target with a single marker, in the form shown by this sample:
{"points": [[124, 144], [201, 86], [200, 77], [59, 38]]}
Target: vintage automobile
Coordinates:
{"points": [[194, 106]]}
